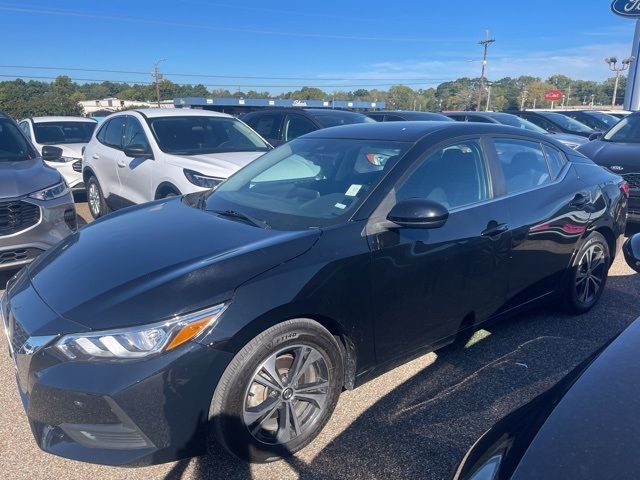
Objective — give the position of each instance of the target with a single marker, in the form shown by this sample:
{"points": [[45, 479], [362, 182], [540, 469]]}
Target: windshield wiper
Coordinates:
{"points": [[244, 217]]}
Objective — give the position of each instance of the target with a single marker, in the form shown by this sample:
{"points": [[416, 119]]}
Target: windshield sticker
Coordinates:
{"points": [[353, 190], [341, 206]]}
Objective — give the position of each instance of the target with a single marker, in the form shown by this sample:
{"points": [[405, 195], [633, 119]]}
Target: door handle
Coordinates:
{"points": [[495, 230], [581, 200], [122, 163], [95, 156]]}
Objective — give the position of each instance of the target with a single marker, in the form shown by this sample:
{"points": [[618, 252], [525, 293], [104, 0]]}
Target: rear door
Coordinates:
{"points": [[136, 174], [428, 284], [549, 212]]}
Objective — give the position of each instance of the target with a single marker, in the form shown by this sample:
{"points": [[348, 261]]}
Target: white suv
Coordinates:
{"points": [[70, 134], [142, 155]]}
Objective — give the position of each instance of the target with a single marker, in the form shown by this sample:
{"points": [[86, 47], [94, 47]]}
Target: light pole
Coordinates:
{"points": [[613, 66], [157, 76], [524, 99]]}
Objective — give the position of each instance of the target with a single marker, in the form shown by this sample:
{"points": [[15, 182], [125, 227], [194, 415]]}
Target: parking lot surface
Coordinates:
{"points": [[416, 421]]}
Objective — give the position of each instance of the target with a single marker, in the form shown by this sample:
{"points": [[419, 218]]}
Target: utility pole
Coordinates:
{"points": [[488, 97], [485, 45], [613, 66], [524, 99], [157, 76]]}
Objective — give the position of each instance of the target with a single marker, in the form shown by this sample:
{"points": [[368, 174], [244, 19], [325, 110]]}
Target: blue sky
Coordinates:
{"points": [[331, 44]]}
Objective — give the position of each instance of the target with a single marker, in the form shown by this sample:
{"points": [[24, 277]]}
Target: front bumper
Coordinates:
{"points": [[57, 221], [132, 413]]}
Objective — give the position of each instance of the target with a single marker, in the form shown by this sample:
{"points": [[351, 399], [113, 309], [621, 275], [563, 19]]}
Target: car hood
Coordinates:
{"points": [[26, 176], [624, 156], [568, 137], [154, 261], [73, 150], [221, 165]]}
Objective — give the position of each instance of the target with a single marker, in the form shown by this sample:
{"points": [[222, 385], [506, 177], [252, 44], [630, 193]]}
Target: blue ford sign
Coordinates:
{"points": [[626, 8]]}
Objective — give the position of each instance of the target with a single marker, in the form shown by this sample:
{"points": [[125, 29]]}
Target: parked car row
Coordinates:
{"points": [[206, 312]]}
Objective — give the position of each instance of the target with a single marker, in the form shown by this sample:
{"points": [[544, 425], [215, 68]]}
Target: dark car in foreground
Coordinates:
{"points": [[282, 125], [554, 122], [618, 150], [585, 428], [598, 121], [572, 141], [245, 311], [36, 206], [407, 116]]}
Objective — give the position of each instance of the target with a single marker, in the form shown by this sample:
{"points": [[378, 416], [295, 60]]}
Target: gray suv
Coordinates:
{"points": [[36, 206]]}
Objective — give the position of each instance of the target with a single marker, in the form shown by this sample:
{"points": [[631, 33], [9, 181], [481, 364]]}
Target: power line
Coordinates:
{"points": [[232, 85], [240, 77]]}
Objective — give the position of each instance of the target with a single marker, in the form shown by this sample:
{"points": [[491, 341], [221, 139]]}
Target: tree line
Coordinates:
{"points": [[21, 98]]}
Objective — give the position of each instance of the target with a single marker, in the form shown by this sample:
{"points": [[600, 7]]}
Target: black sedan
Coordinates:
{"points": [[554, 122], [281, 125], [618, 150], [407, 116], [585, 428], [245, 311]]}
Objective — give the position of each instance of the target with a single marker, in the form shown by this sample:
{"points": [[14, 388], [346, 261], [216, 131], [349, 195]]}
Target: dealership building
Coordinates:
{"points": [[238, 106]]}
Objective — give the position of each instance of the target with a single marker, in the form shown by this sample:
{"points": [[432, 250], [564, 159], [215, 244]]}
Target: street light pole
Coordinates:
{"points": [[613, 66], [157, 76], [485, 45]]}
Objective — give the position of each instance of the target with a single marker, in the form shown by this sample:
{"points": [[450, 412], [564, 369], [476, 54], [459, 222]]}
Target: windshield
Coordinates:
{"points": [[568, 123], [626, 130], [201, 135], [608, 120], [308, 183], [336, 118], [13, 145], [55, 133], [514, 121]]}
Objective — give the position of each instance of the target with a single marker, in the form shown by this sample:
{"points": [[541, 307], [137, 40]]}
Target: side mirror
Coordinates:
{"points": [[631, 251], [596, 136], [51, 153], [137, 151], [418, 213]]}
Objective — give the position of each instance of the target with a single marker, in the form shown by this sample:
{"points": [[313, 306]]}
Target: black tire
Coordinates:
{"points": [[236, 390], [97, 205], [575, 301]]}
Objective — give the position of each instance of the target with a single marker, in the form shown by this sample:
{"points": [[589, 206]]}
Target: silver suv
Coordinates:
{"points": [[36, 205]]}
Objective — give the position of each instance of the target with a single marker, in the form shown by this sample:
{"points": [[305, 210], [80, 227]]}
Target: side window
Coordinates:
{"points": [[393, 118], [268, 126], [477, 119], [454, 176], [523, 164], [556, 159], [113, 132], [102, 131], [541, 122], [24, 126], [134, 134], [459, 118], [376, 116], [296, 125]]}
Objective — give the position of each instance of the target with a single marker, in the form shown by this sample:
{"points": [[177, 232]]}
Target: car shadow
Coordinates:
{"points": [[424, 426]]}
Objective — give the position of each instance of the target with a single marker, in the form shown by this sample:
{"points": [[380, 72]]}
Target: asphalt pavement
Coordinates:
{"points": [[416, 421]]}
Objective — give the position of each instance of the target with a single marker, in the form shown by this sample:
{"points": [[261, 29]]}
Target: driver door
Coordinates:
{"points": [[136, 174], [430, 283]]}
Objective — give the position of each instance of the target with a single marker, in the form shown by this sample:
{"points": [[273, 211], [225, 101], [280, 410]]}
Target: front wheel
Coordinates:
{"points": [[97, 204], [588, 276], [278, 392]]}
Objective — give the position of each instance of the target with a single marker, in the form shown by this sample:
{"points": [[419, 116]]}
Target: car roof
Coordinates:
{"points": [[414, 114], [62, 119], [414, 131], [308, 111], [177, 112]]}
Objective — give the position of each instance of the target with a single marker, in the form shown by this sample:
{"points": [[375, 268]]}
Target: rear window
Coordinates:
{"points": [[13, 145]]}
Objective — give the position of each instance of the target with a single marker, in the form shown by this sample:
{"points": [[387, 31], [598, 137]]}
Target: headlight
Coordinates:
{"points": [[139, 342], [569, 144], [70, 159], [50, 193], [201, 180]]}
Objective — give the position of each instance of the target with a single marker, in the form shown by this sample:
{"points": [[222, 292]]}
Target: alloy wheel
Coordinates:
{"points": [[591, 273], [94, 199], [287, 395]]}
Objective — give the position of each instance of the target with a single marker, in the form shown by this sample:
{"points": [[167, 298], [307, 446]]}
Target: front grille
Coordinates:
{"points": [[17, 216], [19, 255], [633, 179], [77, 166]]}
